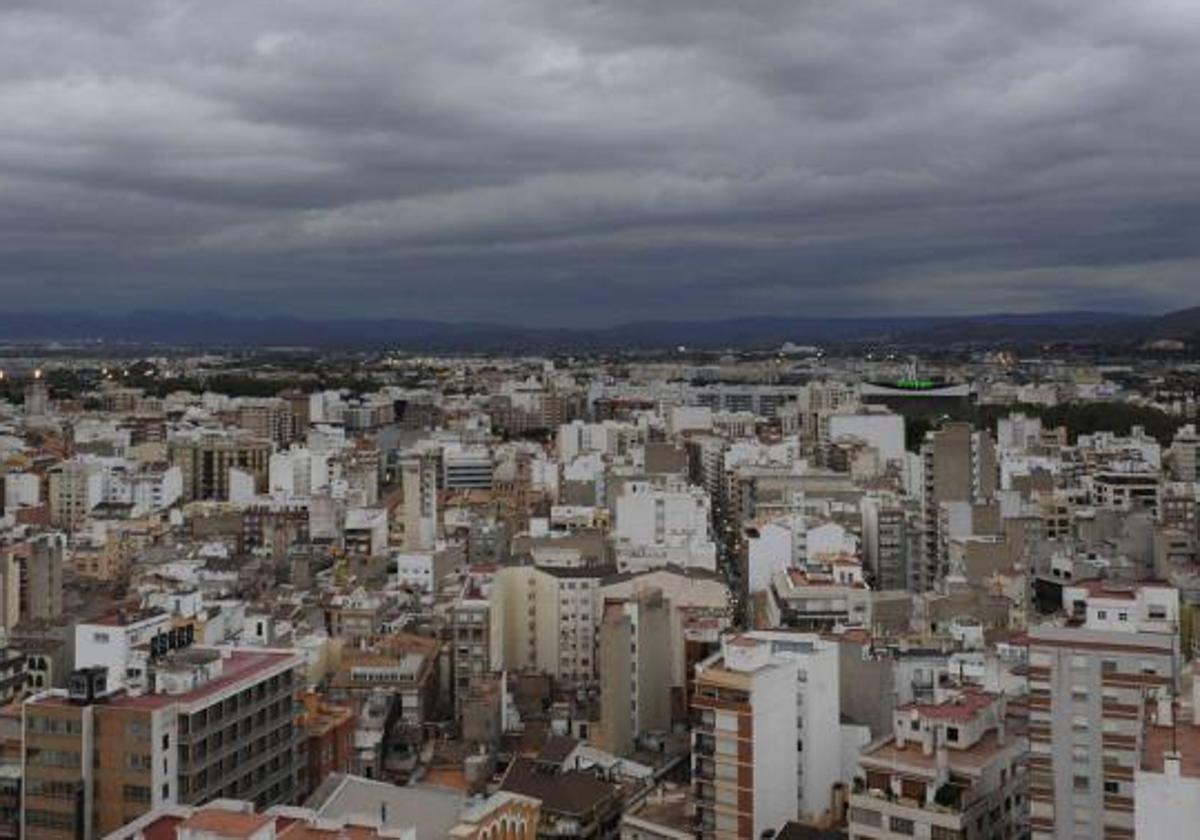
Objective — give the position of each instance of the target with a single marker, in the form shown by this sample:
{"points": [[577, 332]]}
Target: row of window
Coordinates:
{"points": [[37, 818], [53, 725], [52, 758], [52, 789]]}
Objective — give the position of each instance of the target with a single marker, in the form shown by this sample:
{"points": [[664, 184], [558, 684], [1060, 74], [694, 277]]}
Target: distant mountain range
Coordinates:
{"points": [[214, 330]]}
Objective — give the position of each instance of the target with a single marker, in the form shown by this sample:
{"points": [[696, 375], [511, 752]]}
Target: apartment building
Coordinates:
{"points": [[212, 723], [887, 540], [471, 661], [268, 418], [700, 611], [403, 664], [675, 518], [1089, 685], [1127, 489], [40, 561], [545, 618], [959, 466], [467, 467], [635, 669], [328, 731], [819, 597], [1184, 455], [419, 480], [744, 740], [74, 488], [950, 770], [206, 460], [817, 703]]}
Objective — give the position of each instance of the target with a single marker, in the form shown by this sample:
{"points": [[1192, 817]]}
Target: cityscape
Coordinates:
{"points": [[842, 591], [599, 420]]}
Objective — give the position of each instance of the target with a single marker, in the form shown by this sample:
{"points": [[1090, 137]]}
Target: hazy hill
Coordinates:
{"points": [[209, 329]]}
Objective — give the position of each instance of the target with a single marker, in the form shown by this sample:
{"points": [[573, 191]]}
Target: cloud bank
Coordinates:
{"points": [[584, 162]]}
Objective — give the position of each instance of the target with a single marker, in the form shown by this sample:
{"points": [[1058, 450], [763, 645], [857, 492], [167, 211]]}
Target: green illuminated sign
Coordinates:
{"points": [[916, 384]]}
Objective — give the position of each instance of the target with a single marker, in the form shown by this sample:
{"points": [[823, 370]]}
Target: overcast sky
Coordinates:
{"points": [[572, 162]]}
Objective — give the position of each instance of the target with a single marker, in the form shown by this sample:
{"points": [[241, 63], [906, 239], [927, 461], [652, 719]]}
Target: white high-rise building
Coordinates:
{"points": [[744, 757], [818, 709]]}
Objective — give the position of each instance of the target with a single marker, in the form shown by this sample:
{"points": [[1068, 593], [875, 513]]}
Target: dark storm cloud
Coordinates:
{"points": [[594, 161]]}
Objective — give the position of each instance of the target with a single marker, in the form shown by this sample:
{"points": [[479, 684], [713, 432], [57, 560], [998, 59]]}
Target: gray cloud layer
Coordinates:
{"points": [[589, 161]]}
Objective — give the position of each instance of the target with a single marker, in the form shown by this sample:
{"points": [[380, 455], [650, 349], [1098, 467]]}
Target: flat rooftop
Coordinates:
{"points": [[239, 666], [912, 759]]}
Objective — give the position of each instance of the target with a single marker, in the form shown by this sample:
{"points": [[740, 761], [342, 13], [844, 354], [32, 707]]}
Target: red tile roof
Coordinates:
{"points": [[225, 823], [961, 708]]}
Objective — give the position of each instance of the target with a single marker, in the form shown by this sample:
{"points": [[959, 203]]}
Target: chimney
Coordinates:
{"points": [[1171, 761], [941, 764], [1196, 697], [1164, 715], [928, 737], [1000, 732]]}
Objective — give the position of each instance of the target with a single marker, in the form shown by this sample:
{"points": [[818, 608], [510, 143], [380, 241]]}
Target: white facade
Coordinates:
{"points": [[689, 418], [676, 516], [883, 431], [241, 487], [770, 681], [1129, 608], [1018, 432], [21, 490], [818, 709], [1166, 803], [828, 540], [368, 527], [414, 570], [109, 645], [147, 489], [773, 547], [298, 472], [545, 620]]}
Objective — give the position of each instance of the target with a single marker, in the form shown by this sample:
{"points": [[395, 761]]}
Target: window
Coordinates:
{"points": [[900, 825], [938, 832], [1112, 787], [1102, 614], [1108, 667], [1122, 616], [952, 734], [864, 816], [1080, 783], [50, 819], [135, 793], [137, 762], [100, 638]]}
